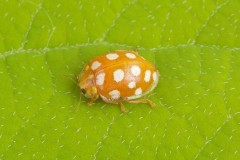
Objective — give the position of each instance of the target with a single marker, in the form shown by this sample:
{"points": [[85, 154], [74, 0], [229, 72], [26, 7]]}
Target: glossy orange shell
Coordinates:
{"points": [[113, 72]]}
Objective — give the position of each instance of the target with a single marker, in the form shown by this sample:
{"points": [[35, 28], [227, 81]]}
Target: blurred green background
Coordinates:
{"points": [[194, 44]]}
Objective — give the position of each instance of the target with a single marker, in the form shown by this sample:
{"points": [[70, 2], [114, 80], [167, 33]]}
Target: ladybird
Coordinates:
{"points": [[117, 77]]}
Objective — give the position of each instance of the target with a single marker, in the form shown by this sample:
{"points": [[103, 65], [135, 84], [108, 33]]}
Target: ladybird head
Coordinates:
{"points": [[86, 83]]}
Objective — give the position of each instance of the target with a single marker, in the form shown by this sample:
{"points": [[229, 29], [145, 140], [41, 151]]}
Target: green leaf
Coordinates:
{"points": [[194, 44]]}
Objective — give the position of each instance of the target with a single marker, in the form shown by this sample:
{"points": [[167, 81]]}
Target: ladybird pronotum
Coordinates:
{"points": [[118, 76]]}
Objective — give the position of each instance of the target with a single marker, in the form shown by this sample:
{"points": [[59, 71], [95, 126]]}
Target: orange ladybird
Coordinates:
{"points": [[118, 76]]}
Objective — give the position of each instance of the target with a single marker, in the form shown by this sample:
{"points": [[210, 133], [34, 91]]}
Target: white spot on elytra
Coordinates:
{"points": [[115, 94], [132, 84], [112, 56], [118, 75], [138, 91], [100, 79], [130, 55], [136, 70], [147, 76], [154, 76], [95, 65]]}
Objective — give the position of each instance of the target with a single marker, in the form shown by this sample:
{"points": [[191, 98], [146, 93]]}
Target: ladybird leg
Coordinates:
{"points": [[90, 103], [92, 100], [150, 103], [122, 107]]}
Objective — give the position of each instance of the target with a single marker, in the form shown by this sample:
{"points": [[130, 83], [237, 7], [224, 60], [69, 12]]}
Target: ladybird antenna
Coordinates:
{"points": [[75, 81], [80, 100], [80, 97], [70, 77]]}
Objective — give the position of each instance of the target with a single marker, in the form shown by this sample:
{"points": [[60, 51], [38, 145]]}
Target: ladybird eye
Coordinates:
{"points": [[83, 91]]}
